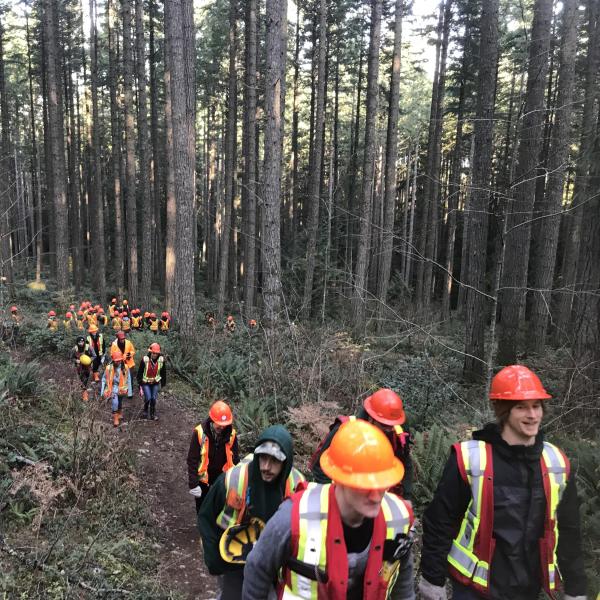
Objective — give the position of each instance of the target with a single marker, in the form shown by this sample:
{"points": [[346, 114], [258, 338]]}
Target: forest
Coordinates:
{"points": [[393, 192]]}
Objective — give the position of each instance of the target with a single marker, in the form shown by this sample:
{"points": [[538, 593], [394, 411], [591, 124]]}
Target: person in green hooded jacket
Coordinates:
{"points": [[253, 489]]}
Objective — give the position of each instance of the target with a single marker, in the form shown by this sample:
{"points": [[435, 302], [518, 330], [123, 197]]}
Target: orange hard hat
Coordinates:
{"points": [[13, 309], [360, 456], [101, 310], [51, 314], [116, 356], [517, 382], [68, 315], [153, 315], [125, 303], [92, 329], [123, 314], [80, 313], [252, 323], [385, 406], [146, 315], [220, 413], [72, 307], [164, 314], [154, 347]]}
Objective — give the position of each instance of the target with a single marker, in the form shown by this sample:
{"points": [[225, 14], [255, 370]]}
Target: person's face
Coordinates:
{"points": [[153, 355], [219, 429], [524, 420], [363, 503], [269, 467]]}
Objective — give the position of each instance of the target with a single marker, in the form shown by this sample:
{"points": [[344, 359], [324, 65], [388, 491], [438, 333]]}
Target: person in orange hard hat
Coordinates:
{"points": [[151, 377], [165, 322], [112, 308], [213, 450], [68, 321], [95, 341], [504, 519], [229, 324], [385, 409], [82, 357], [153, 323], [116, 385], [52, 323], [125, 322], [347, 539]]}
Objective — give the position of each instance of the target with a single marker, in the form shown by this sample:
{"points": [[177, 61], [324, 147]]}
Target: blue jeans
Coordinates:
{"points": [[150, 395]]}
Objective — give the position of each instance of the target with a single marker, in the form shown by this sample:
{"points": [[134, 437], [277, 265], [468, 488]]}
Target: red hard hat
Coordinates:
{"points": [[116, 356], [153, 315], [120, 335], [154, 347], [230, 318], [100, 310], [517, 382], [51, 314], [13, 309], [361, 456], [220, 413], [69, 315], [165, 314], [123, 314], [385, 406], [80, 313], [125, 303]]}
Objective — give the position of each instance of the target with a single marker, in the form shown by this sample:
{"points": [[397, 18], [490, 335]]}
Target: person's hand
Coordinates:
{"points": [[429, 591], [196, 492]]}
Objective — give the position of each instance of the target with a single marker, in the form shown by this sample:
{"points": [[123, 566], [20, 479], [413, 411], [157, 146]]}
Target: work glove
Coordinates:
{"points": [[429, 591], [567, 597], [196, 492]]}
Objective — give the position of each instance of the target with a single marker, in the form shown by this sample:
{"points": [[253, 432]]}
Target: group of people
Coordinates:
{"points": [[120, 317], [90, 354], [503, 522], [229, 326]]}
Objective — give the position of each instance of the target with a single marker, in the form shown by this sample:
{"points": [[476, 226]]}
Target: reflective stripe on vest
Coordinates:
{"points": [[159, 364], [236, 491], [464, 557], [204, 442], [313, 515], [123, 388]]}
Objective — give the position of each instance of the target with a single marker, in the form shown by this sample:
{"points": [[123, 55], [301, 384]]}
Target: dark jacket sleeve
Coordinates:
{"points": [[316, 470], [441, 522], [163, 374], [193, 460], [569, 554], [235, 450], [406, 485], [209, 530], [140, 372]]}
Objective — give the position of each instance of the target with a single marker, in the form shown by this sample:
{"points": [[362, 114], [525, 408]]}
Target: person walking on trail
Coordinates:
{"points": [[95, 340], [116, 385], [385, 410], [79, 321], [68, 321], [504, 520], [151, 377], [241, 501], [115, 322], [125, 322], [229, 326], [127, 348], [15, 319], [350, 539], [136, 319], [102, 318], [82, 357], [213, 450]]}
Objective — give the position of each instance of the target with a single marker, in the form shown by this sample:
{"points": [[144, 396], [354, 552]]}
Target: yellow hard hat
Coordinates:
{"points": [[85, 360], [237, 541]]}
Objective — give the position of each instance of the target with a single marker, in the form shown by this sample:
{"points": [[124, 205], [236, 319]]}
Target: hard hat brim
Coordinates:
{"points": [[517, 397], [370, 480]]}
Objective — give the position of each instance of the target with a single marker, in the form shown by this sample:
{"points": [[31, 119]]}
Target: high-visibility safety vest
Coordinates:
{"points": [[472, 551], [204, 442], [153, 324], [129, 349], [116, 324], [152, 370], [136, 322], [99, 350], [67, 324], [109, 376], [52, 324], [92, 319], [111, 310], [164, 324], [236, 491], [310, 545], [125, 324]]}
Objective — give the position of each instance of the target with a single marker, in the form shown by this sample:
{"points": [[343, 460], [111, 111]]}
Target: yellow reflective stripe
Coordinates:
{"points": [[235, 479], [481, 574], [462, 560], [397, 516], [398, 430]]}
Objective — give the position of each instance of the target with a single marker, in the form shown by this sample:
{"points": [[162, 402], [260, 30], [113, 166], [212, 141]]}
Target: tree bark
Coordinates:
{"points": [[359, 296], [475, 367], [519, 210]]}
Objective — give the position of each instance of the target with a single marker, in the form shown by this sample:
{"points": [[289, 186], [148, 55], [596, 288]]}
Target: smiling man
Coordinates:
{"points": [[346, 540], [504, 520], [249, 492]]}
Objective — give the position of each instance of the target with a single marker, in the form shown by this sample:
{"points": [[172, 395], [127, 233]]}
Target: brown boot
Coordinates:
{"points": [[115, 418], [96, 377], [85, 396]]}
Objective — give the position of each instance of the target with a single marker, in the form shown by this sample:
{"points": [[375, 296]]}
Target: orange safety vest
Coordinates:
{"points": [[109, 376], [204, 447], [236, 491], [129, 349], [92, 319], [52, 324], [136, 322], [111, 310], [472, 550], [315, 519], [67, 324], [164, 324]]}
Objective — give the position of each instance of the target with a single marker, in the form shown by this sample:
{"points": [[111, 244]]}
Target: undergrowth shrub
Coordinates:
{"points": [[20, 380]]}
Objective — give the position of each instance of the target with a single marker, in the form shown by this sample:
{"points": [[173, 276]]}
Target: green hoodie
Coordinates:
{"points": [[264, 500]]}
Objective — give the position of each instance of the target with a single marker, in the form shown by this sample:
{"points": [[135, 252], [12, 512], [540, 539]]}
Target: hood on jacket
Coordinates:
{"points": [[280, 435]]}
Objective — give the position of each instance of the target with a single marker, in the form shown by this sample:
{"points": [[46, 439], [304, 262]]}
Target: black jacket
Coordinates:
{"points": [[216, 455], [519, 511], [404, 488]]}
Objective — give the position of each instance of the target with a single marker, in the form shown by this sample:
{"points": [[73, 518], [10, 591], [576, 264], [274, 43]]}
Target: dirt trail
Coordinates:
{"points": [[162, 447]]}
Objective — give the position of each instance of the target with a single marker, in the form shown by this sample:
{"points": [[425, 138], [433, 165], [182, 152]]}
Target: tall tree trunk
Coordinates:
{"points": [[314, 186], [180, 36], [96, 201], [359, 298], [116, 155], [276, 11], [586, 145], [549, 215], [130, 158], [146, 205], [249, 195], [385, 264], [475, 366], [295, 200], [230, 161], [518, 226], [57, 141]]}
